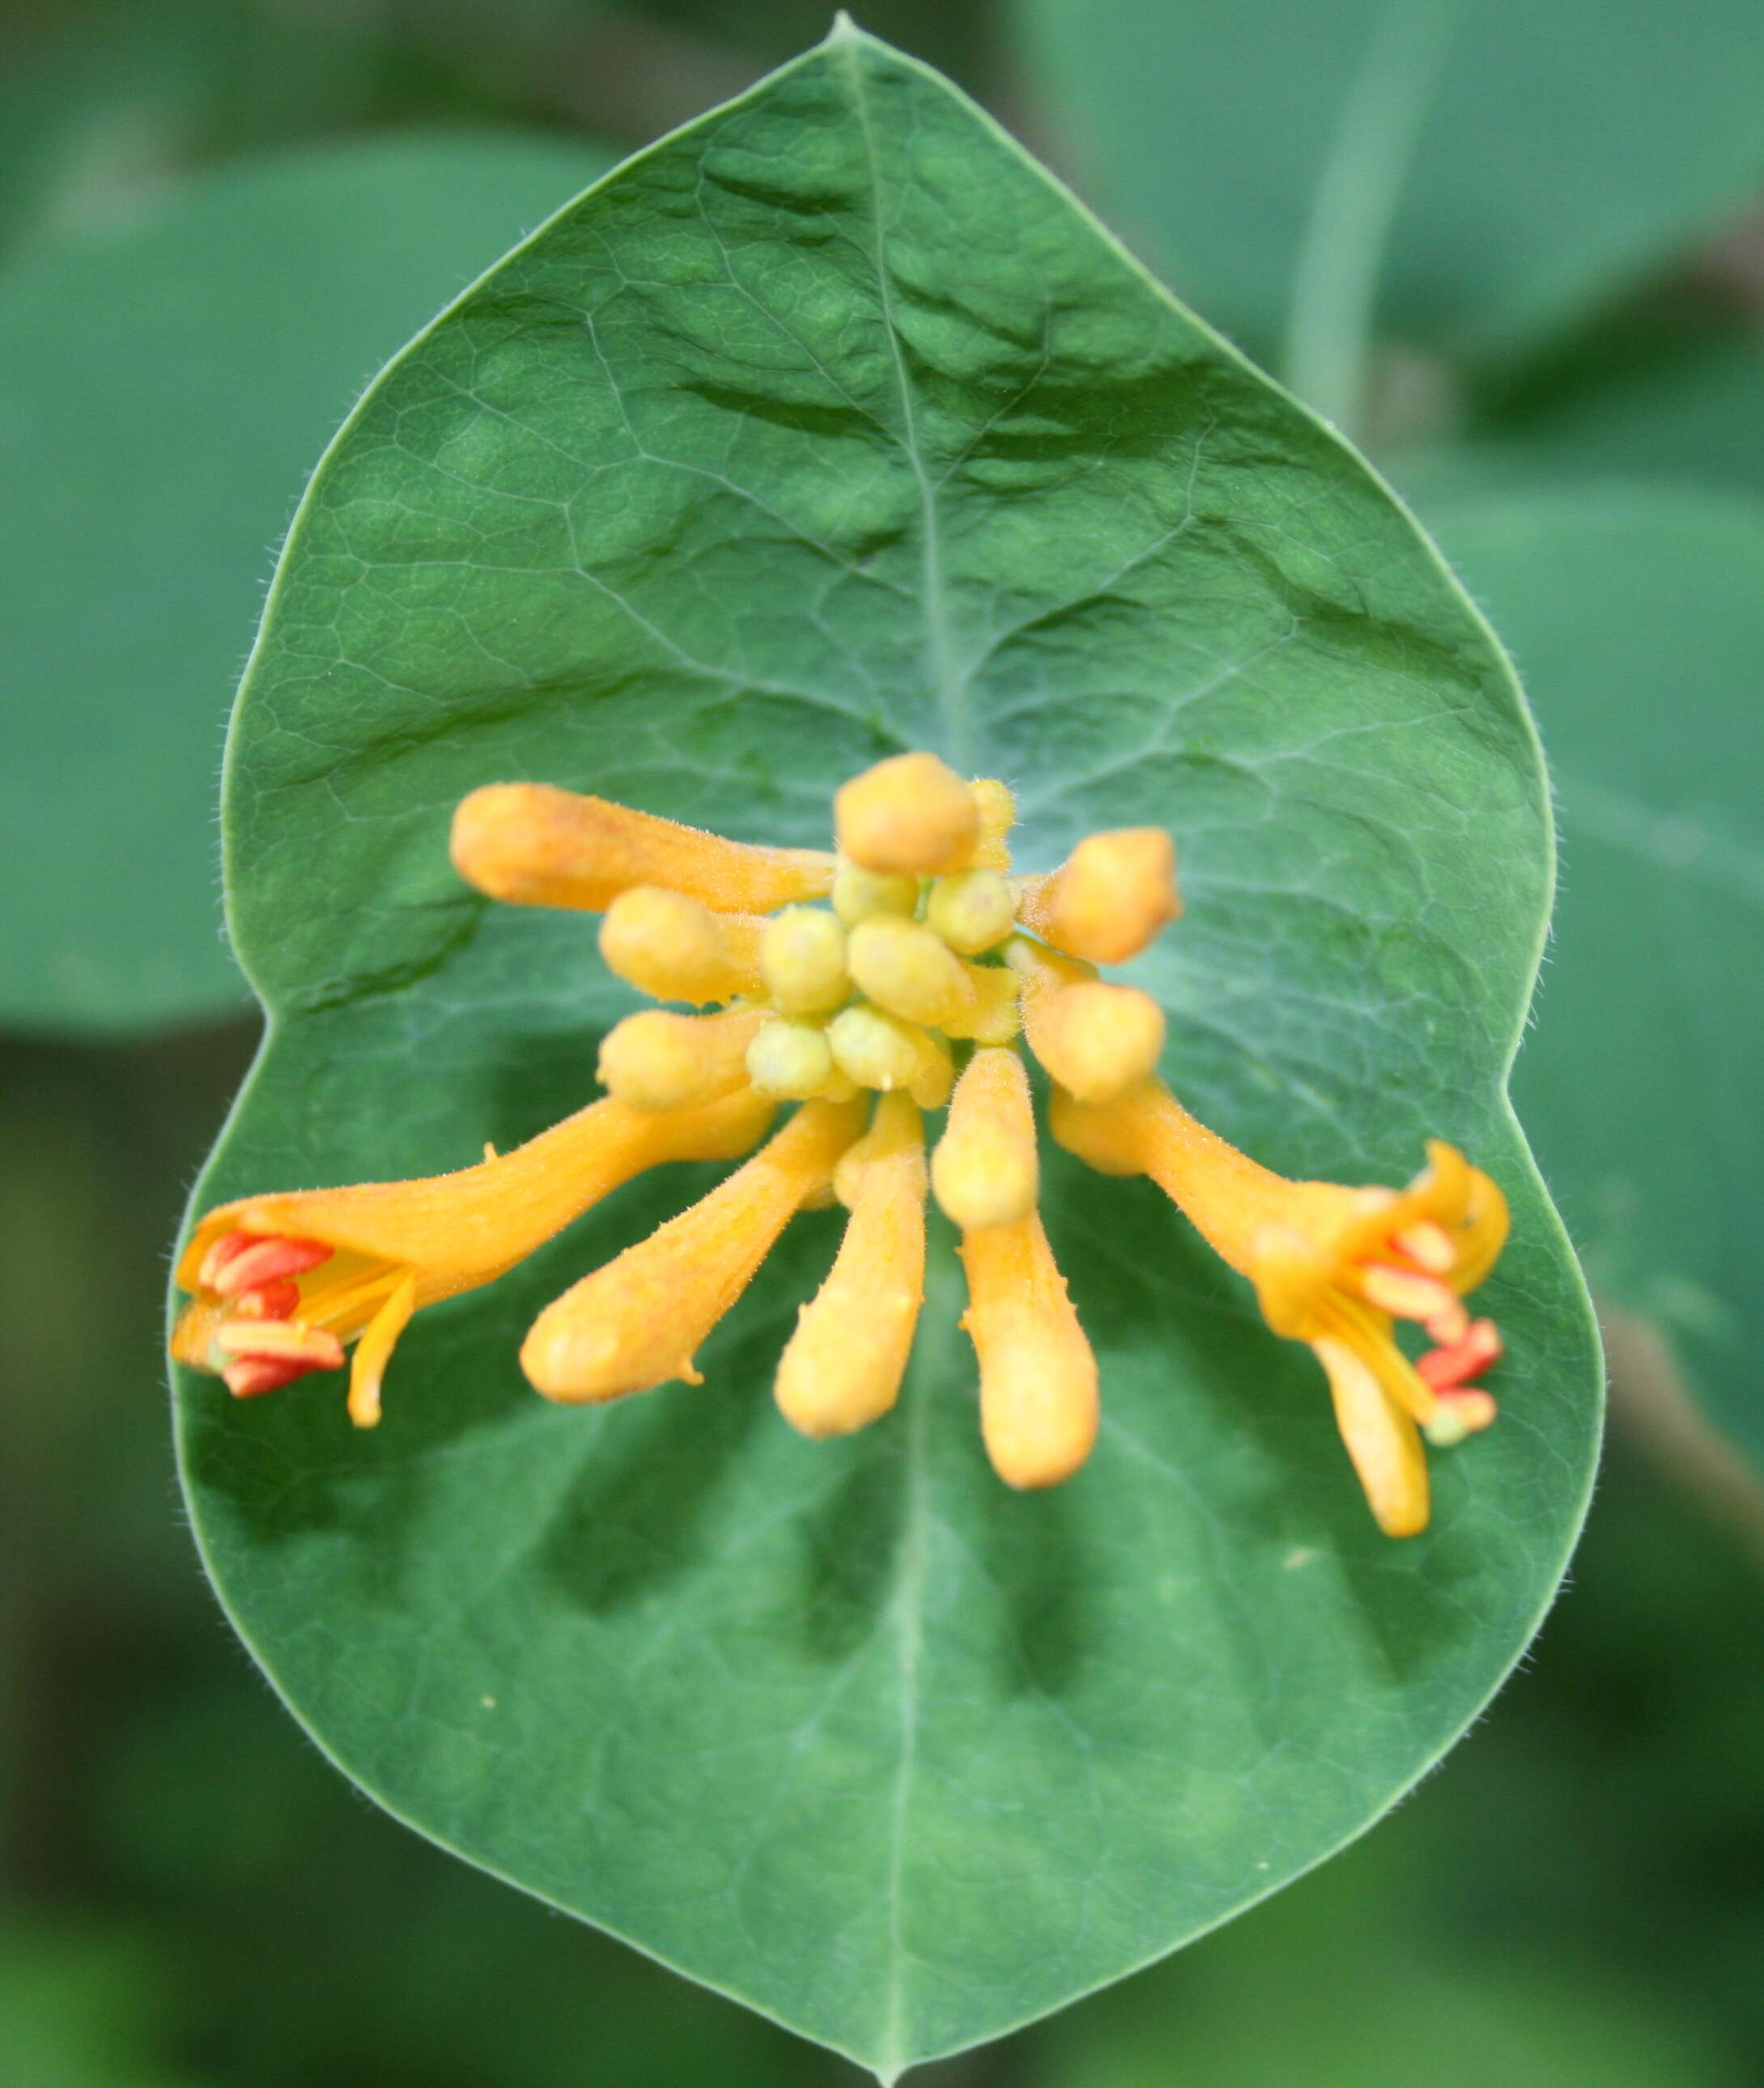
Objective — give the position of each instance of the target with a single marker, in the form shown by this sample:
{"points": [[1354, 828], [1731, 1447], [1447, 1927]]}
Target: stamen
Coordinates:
{"points": [[1429, 1245], [904, 967], [673, 948], [792, 1060], [1109, 899], [636, 1322], [802, 955], [1403, 1292], [251, 1375], [985, 1171], [909, 814], [532, 844], [278, 1341], [843, 1366], [241, 1261], [1381, 1440], [1038, 1405], [656, 1060], [1462, 1411], [276, 1300], [971, 910], [1446, 1369], [859, 892]]}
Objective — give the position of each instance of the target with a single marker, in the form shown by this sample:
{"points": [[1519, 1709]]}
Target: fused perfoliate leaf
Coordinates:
{"points": [[826, 431]]}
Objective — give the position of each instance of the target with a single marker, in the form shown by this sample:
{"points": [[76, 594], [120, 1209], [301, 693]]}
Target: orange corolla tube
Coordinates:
{"points": [[843, 1366], [279, 1283], [637, 1322], [533, 845], [1334, 1266], [1038, 1401], [1109, 899]]}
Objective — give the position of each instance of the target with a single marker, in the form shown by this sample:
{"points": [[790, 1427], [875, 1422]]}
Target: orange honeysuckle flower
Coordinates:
{"points": [[1335, 1266], [280, 1283]]}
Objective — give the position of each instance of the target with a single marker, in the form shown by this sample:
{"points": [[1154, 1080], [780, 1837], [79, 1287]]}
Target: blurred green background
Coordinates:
{"points": [[188, 1895]]}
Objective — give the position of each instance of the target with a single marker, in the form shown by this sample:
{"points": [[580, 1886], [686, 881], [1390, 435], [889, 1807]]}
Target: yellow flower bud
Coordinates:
{"points": [[843, 1366], [672, 948], [792, 1060], [878, 1049], [905, 967], [972, 909], [909, 813], [636, 1322], [985, 1171], [654, 1060], [859, 892], [992, 1017], [1038, 1404], [1109, 898], [996, 811], [1094, 1040], [803, 954]]}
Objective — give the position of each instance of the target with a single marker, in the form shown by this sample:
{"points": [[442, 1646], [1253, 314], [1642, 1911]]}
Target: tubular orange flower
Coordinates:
{"points": [[843, 1366], [1335, 1266], [280, 1284], [636, 1323]]}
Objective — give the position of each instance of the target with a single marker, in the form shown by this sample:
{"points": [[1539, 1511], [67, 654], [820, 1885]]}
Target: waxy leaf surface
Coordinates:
{"points": [[1507, 166], [827, 427], [166, 385], [1639, 614]]}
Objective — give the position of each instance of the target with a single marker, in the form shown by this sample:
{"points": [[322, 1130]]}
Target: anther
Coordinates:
{"points": [[985, 1171], [655, 1060], [1405, 1293], [802, 955], [246, 1262], [911, 813], [673, 948]]}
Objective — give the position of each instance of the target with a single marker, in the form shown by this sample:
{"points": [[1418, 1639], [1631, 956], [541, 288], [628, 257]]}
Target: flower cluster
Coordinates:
{"points": [[868, 986]]}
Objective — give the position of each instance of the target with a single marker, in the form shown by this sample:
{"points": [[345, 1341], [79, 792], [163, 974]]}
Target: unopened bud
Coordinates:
{"points": [[984, 1170], [655, 1060], [1096, 1040], [1108, 901], [859, 892], [803, 954], [792, 1060], [905, 967], [1038, 1407], [671, 947], [875, 1049], [909, 813], [996, 811], [971, 910], [992, 1016]]}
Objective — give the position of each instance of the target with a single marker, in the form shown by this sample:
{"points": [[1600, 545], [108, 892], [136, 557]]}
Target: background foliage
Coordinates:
{"points": [[1580, 1885]]}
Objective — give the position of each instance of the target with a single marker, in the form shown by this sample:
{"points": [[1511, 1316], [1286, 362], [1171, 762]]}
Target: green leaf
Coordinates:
{"points": [[164, 386], [828, 426], [1638, 616], [1514, 165]]}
